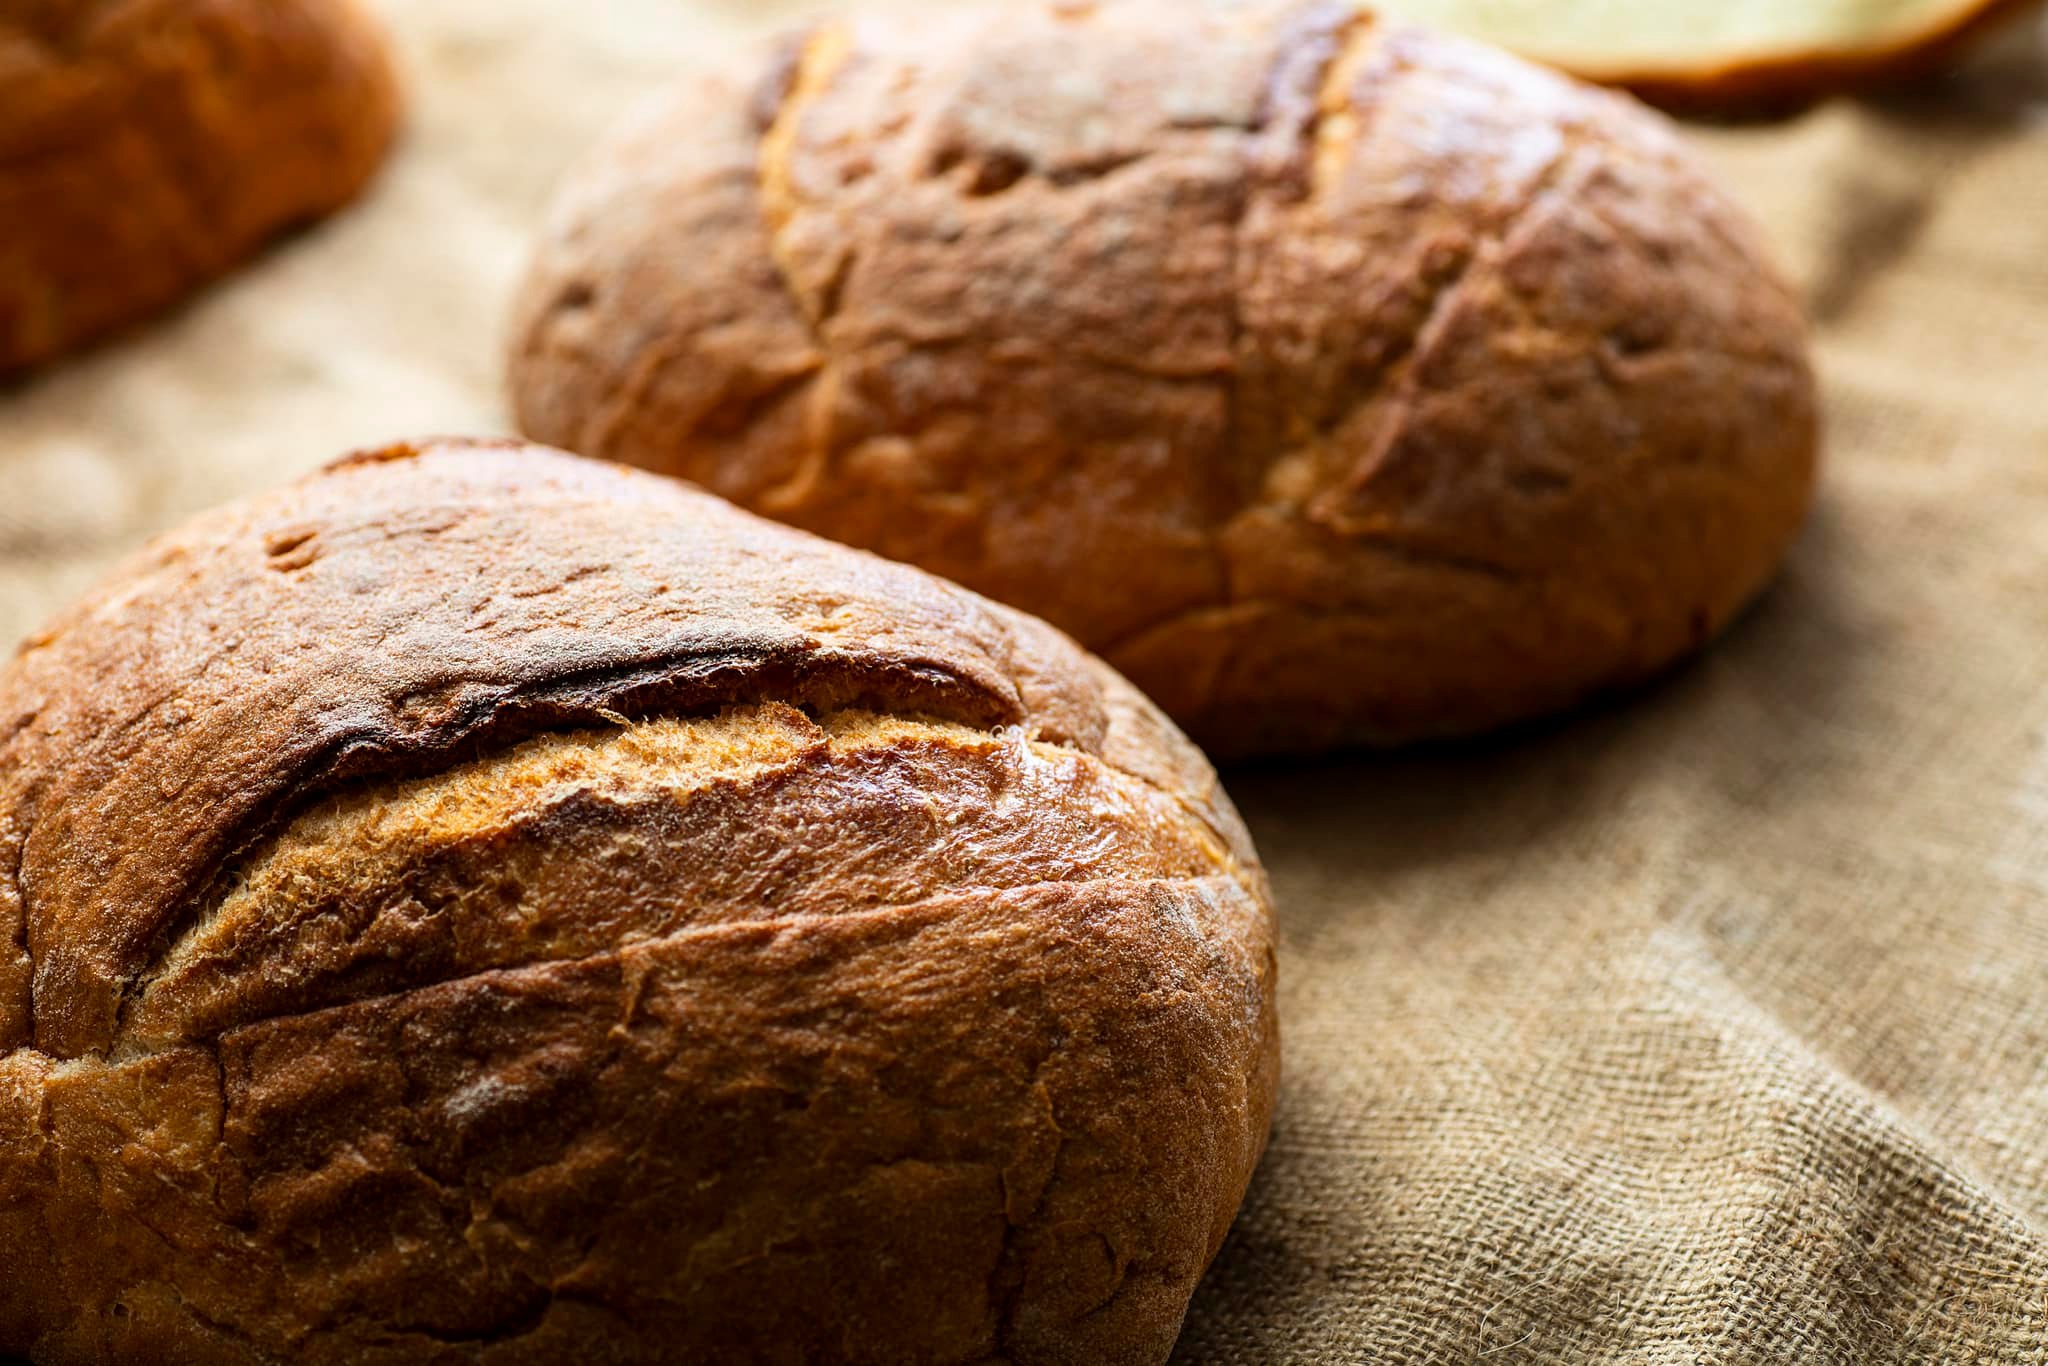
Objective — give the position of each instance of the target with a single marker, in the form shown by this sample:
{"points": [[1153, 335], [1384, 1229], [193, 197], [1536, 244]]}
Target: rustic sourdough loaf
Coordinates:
{"points": [[1337, 381], [480, 905], [147, 146]]}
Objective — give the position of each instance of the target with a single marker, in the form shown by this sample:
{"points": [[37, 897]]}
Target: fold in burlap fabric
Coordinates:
{"points": [[1711, 1027]]}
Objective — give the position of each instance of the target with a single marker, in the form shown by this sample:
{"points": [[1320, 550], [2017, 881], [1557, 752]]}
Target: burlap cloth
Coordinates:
{"points": [[1712, 1027]]}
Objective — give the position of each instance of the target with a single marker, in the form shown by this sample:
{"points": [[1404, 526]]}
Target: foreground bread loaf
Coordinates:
{"points": [[1337, 381], [147, 146], [482, 905]]}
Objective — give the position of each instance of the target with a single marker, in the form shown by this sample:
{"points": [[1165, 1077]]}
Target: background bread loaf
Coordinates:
{"points": [[1337, 381], [482, 905], [1703, 55], [147, 146]]}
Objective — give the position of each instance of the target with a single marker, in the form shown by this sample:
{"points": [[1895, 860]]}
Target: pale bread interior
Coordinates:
{"points": [[1593, 37]]}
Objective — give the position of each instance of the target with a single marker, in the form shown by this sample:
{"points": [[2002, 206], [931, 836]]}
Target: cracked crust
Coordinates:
{"points": [[1339, 382], [148, 146], [483, 905]]}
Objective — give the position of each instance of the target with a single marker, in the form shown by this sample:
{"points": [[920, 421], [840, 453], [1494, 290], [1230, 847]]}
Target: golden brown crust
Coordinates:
{"points": [[482, 905], [1338, 382], [147, 146]]}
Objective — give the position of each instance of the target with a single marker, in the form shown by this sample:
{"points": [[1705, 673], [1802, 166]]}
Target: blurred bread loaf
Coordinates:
{"points": [[482, 905], [1337, 381], [148, 146], [1713, 55]]}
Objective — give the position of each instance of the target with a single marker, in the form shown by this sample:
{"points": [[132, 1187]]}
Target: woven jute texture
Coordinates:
{"points": [[1711, 1026]]}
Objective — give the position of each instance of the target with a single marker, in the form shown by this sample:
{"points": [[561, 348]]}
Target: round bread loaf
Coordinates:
{"points": [[1337, 382], [147, 146], [480, 905]]}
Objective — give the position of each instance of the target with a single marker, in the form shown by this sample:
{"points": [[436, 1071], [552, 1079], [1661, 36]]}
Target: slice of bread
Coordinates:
{"points": [[1726, 54]]}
